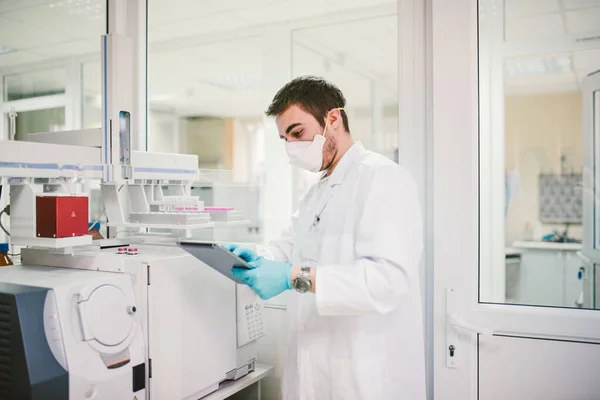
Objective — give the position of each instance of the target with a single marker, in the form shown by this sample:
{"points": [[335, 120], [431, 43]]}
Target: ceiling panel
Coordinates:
{"points": [[589, 60], [369, 44], [550, 25], [286, 10], [19, 58], [547, 82], [355, 4], [584, 21], [528, 8], [160, 11], [71, 49], [61, 20], [18, 35], [575, 4], [222, 21], [232, 67], [12, 5], [235, 5], [40, 82]]}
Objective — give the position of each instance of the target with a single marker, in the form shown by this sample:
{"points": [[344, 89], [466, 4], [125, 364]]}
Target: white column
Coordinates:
{"points": [[242, 152], [377, 139], [3, 119], [136, 24], [277, 190], [74, 94], [128, 18], [4, 135], [415, 139]]}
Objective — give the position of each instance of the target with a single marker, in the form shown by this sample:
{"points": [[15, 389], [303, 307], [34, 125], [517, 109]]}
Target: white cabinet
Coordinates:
{"points": [[548, 276]]}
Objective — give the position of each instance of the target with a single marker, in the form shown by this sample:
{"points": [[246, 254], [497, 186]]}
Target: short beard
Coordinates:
{"points": [[330, 150]]}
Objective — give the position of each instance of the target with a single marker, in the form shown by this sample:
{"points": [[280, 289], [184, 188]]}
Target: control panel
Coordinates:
{"points": [[250, 324]]}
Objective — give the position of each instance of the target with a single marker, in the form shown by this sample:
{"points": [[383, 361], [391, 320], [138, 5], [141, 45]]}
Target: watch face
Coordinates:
{"points": [[301, 285]]}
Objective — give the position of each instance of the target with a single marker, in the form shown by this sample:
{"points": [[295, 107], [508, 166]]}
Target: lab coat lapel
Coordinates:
{"points": [[352, 155]]}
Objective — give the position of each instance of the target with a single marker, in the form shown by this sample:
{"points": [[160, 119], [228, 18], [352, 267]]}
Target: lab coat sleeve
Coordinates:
{"points": [[388, 246], [281, 249]]}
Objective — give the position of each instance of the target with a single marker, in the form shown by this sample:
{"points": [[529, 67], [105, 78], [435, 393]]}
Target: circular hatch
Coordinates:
{"points": [[107, 315]]}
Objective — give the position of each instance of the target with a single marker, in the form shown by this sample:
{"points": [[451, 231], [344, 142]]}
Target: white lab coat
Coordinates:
{"points": [[361, 336]]}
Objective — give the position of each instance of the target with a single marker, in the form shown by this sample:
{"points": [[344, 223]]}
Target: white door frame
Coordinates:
{"points": [[414, 140], [456, 208]]}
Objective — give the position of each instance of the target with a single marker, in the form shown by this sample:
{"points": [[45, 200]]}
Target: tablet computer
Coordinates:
{"points": [[215, 256]]}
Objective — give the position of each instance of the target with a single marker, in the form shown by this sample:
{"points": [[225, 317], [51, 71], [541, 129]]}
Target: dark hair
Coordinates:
{"points": [[312, 94]]}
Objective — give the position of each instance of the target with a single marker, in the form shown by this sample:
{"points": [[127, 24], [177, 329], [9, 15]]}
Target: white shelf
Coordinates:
{"points": [[232, 223], [511, 251], [229, 388], [142, 225], [52, 243], [534, 245]]}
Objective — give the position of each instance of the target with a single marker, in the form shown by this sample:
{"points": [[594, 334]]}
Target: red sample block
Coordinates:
{"points": [[61, 216]]}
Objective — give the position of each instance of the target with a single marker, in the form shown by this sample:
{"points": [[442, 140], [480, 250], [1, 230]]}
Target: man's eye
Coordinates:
{"points": [[297, 134]]}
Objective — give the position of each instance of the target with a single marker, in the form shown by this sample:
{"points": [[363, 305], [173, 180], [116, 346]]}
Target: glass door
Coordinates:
{"points": [[591, 243], [513, 320]]}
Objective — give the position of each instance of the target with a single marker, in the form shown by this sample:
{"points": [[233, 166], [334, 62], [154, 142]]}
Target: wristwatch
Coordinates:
{"points": [[302, 282]]}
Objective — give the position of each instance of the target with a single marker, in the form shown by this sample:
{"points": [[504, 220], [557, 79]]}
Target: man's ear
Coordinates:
{"points": [[335, 118]]}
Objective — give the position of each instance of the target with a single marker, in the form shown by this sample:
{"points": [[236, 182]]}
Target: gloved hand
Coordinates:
{"points": [[267, 278], [242, 252]]}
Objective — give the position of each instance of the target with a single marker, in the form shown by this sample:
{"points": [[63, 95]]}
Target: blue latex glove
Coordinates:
{"points": [[242, 252], [267, 278]]}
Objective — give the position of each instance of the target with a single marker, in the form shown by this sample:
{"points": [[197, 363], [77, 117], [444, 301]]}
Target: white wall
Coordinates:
{"points": [[163, 132], [205, 137], [539, 130]]}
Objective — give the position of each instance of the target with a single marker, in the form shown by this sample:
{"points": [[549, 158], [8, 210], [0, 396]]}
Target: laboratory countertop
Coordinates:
{"points": [[229, 388], [535, 245], [511, 251]]}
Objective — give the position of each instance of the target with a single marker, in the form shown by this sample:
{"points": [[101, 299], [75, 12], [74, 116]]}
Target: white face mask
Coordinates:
{"points": [[308, 155]]}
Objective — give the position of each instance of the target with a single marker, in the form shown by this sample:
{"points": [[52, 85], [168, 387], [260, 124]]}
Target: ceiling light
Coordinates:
{"points": [[5, 49], [537, 66], [236, 82], [81, 8], [161, 97]]}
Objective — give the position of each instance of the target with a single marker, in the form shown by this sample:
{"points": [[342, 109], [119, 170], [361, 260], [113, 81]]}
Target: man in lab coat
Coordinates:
{"points": [[351, 258]]}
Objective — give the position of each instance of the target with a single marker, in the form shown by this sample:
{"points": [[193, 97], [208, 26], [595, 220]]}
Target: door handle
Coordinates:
{"points": [[465, 326], [453, 353], [584, 258]]}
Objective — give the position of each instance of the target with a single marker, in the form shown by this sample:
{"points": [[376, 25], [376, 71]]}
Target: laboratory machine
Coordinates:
{"points": [[129, 317]]}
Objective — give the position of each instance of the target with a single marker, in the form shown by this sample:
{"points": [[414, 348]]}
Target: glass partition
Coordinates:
{"points": [[35, 84], [44, 48], [533, 57], [215, 66]]}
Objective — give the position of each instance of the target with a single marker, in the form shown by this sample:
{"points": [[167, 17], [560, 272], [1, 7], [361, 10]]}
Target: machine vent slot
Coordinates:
{"points": [[6, 384]]}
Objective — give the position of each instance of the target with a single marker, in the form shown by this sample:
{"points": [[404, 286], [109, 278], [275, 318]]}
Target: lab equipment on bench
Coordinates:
{"points": [[198, 333], [4, 258], [60, 216], [70, 335], [152, 322]]}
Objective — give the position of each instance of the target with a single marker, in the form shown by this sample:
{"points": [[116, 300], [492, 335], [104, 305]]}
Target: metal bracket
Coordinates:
{"points": [[452, 351]]}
